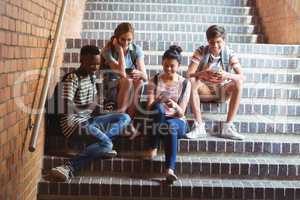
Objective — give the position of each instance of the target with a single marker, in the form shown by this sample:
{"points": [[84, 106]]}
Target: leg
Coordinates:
{"points": [[177, 129], [233, 89], [137, 86], [124, 88], [112, 124], [158, 117], [100, 145], [200, 91]]}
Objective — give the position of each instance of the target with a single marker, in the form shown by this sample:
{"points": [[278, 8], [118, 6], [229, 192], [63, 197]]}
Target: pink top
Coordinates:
{"points": [[173, 91]]}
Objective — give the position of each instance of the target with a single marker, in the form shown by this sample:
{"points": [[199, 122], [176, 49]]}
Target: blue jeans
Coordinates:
{"points": [[170, 130], [101, 130]]}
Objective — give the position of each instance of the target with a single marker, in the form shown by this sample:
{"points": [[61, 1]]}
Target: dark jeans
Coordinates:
{"points": [[100, 130], [170, 130]]}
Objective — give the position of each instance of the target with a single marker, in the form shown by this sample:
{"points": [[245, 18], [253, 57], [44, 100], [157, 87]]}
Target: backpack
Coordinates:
{"points": [[110, 81], [225, 57], [54, 107], [155, 81]]}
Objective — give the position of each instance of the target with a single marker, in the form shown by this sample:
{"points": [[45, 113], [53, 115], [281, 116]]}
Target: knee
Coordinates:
{"points": [[238, 84], [125, 82], [125, 118], [196, 84]]}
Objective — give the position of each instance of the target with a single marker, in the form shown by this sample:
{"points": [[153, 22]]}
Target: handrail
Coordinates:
{"points": [[35, 134]]}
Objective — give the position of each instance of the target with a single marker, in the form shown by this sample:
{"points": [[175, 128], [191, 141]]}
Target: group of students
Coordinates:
{"points": [[209, 78]]}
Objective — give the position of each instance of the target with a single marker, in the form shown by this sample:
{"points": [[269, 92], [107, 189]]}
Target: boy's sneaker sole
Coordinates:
{"points": [[56, 176], [110, 154]]}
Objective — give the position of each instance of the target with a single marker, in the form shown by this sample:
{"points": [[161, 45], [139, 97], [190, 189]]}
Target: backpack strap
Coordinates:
{"points": [[155, 81], [184, 85], [133, 55], [225, 58]]}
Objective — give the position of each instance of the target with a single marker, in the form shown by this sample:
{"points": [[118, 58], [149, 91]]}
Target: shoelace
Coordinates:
{"points": [[233, 127]]}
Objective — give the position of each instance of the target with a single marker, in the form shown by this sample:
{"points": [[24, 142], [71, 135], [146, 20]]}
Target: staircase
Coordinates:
{"points": [[266, 165]]}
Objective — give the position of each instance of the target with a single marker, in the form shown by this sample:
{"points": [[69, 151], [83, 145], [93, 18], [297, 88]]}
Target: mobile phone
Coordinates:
{"points": [[129, 70]]}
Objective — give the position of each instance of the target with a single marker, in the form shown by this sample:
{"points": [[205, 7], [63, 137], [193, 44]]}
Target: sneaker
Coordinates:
{"points": [[60, 174], [198, 131], [229, 131], [110, 154], [171, 177]]}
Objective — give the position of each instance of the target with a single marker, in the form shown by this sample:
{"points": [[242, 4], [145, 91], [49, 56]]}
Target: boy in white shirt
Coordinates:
{"points": [[212, 81]]}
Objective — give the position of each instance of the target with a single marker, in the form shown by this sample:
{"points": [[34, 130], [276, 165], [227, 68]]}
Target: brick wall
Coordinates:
{"points": [[281, 20], [25, 26]]}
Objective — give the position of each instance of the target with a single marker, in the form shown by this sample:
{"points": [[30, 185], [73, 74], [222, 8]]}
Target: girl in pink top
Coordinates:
{"points": [[168, 96]]}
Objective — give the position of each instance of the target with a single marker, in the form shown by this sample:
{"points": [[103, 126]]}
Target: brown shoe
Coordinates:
{"points": [[149, 154]]}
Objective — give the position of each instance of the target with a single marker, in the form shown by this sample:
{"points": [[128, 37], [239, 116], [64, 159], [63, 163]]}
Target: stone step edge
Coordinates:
{"points": [[183, 68], [244, 16], [253, 35], [171, 4], [242, 44], [218, 158], [190, 53]]}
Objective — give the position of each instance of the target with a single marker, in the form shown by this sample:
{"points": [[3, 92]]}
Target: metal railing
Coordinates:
{"points": [[39, 117]]}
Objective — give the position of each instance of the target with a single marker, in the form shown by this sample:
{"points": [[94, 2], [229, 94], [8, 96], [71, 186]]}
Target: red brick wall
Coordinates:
{"points": [[281, 20], [25, 26]]}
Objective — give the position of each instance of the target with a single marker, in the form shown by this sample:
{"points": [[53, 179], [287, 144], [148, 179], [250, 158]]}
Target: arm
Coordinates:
{"points": [[181, 107], [236, 66], [118, 66], [193, 66], [140, 73], [192, 72]]}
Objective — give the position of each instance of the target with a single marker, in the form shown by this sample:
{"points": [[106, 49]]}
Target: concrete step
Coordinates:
{"points": [[260, 106], [122, 186], [246, 60], [237, 3], [252, 89], [187, 17], [249, 106], [74, 44], [171, 36], [168, 26], [193, 165], [261, 75], [167, 8], [255, 143]]}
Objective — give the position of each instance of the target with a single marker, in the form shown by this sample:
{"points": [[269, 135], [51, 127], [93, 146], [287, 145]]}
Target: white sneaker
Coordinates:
{"points": [[60, 173], [198, 131], [229, 131]]}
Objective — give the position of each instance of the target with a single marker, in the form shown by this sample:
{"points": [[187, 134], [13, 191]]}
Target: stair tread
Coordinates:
{"points": [[172, 32], [170, 4], [237, 158], [154, 180], [253, 118], [185, 14]]}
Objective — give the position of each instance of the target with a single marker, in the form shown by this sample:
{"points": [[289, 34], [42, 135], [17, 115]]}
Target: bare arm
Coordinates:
{"points": [[140, 73]]}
